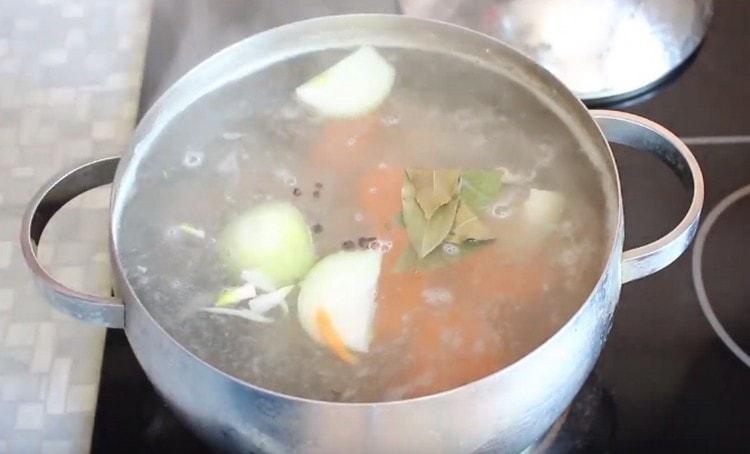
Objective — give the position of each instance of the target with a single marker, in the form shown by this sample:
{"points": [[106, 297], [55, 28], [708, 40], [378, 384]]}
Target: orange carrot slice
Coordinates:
{"points": [[343, 142], [332, 338], [380, 195]]}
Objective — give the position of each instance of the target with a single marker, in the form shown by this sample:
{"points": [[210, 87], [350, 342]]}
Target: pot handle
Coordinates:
{"points": [[638, 132], [51, 197]]}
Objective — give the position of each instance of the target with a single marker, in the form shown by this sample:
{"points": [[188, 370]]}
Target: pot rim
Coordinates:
{"points": [[153, 114]]}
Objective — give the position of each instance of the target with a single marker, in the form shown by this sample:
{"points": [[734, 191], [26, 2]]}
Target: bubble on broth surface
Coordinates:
{"points": [[501, 211], [193, 158], [382, 246], [451, 249]]}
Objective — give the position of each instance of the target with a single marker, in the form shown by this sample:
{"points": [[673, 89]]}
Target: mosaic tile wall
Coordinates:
{"points": [[69, 82]]}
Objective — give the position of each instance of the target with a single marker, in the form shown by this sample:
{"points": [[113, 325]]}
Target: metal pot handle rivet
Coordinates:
{"points": [[642, 134], [51, 197]]}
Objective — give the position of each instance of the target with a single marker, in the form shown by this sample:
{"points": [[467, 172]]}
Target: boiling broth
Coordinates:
{"points": [[252, 141]]}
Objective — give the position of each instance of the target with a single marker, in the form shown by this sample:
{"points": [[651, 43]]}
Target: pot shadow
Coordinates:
{"points": [[589, 424]]}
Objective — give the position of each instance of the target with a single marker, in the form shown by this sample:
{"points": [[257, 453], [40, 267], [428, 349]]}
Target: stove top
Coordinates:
{"points": [[664, 381]]}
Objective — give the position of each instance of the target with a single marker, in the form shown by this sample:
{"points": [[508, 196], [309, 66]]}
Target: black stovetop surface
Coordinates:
{"points": [[664, 381]]}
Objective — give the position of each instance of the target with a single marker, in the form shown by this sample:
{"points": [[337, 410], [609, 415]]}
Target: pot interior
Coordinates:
{"points": [[306, 233]]}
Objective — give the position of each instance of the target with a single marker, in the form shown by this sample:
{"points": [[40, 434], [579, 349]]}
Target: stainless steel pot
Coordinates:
{"points": [[504, 412]]}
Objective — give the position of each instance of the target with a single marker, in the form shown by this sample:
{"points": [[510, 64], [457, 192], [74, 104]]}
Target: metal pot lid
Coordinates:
{"points": [[601, 49], [231, 134]]}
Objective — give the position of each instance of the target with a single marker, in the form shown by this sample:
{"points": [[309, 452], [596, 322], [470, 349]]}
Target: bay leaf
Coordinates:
{"points": [[425, 235], [468, 226], [412, 216], [407, 261], [480, 188], [398, 219], [438, 228], [434, 188]]}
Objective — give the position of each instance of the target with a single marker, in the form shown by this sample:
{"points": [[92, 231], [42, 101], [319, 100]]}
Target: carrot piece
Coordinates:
{"points": [[399, 294], [343, 141], [479, 348], [380, 195], [487, 276], [332, 338], [451, 367]]}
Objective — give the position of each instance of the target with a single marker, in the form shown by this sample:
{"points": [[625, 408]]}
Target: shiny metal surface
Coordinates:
{"points": [[504, 412], [50, 198], [637, 132], [601, 49]]}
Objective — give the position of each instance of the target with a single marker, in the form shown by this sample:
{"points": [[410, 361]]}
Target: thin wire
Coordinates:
{"points": [[700, 288]]}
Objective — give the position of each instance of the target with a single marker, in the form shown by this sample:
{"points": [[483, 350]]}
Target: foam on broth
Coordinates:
{"points": [[252, 141]]}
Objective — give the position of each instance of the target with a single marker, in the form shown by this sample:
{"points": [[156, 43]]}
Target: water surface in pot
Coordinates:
{"points": [[412, 248]]}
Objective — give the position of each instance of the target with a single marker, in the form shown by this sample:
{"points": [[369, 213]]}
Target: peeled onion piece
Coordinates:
{"points": [[354, 86], [232, 296], [241, 313], [336, 304], [259, 280], [543, 209], [540, 214], [264, 303], [273, 240]]}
